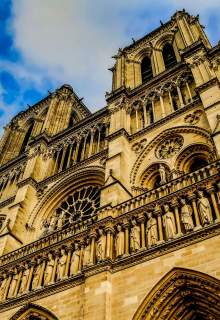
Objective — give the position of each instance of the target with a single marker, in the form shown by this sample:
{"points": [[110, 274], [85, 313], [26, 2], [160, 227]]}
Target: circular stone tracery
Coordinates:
{"points": [[82, 204], [169, 147]]}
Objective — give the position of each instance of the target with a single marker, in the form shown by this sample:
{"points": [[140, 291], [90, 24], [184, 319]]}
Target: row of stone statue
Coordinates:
{"points": [[125, 238]]}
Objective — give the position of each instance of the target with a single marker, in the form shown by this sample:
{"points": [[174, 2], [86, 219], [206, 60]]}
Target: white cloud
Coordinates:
{"points": [[72, 41]]}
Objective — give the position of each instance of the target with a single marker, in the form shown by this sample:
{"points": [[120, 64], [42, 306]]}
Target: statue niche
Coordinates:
{"points": [[79, 206]]}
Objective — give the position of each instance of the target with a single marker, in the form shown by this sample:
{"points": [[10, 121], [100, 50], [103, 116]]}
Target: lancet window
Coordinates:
{"points": [[169, 56], [146, 69]]}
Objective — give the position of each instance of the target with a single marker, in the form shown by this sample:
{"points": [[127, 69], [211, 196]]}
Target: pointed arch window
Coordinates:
{"points": [[169, 56], [27, 137], [146, 69]]}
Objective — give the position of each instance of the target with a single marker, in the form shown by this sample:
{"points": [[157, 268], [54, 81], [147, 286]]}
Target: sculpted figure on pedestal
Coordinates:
{"points": [[204, 209], [3, 286], [13, 284], [53, 222], [24, 280], [151, 229], [61, 267], [162, 171], [61, 219], [36, 275], [120, 242], [49, 269], [169, 223], [75, 260], [135, 236], [86, 254], [45, 228], [186, 215], [101, 246]]}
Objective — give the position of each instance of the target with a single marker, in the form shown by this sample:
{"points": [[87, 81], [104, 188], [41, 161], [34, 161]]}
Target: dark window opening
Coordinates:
{"points": [[169, 56], [146, 70], [197, 164], [27, 137]]}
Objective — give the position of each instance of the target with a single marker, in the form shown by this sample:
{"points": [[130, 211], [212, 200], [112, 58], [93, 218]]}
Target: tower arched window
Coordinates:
{"points": [[169, 56], [27, 137], [146, 70]]}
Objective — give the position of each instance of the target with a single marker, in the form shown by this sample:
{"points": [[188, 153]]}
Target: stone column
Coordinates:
{"points": [[91, 144], [7, 287], [189, 91], [44, 260], [162, 106], [69, 156], [21, 269], [69, 251], [31, 265], [126, 227], [192, 198], [177, 218], [158, 213], [214, 203], [141, 221], [171, 101], [109, 246], [180, 96], [62, 159], [92, 250], [57, 253]]}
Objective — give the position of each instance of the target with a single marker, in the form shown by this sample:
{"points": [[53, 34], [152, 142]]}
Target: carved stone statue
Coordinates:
{"points": [[151, 229], [101, 246], [49, 269], [75, 261], [169, 223], [86, 254], [61, 220], [24, 280], [61, 267], [36, 275], [53, 222], [162, 171], [135, 236], [186, 215], [45, 227], [13, 284], [204, 208], [120, 242], [3, 286]]}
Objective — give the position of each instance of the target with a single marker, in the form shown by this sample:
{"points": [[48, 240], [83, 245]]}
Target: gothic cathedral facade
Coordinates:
{"points": [[116, 214]]}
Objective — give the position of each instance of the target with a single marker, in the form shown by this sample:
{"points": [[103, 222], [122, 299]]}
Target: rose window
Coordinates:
{"points": [[79, 206], [169, 147]]}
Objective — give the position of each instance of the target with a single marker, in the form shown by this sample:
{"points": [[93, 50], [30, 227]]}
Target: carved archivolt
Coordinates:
{"points": [[169, 147], [33, 311], [60, 190], [182, 294], [162, 137], [203, 151]]}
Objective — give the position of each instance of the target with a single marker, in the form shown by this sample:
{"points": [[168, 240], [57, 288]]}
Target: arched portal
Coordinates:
{"points": [[33, 312], [182, 295]]}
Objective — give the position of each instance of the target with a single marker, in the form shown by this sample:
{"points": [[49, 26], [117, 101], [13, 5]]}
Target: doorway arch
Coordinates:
{"points": [[182, 294]]}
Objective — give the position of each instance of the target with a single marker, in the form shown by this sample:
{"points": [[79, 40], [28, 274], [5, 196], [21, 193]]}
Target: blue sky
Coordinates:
{"points": [[45, 43]]}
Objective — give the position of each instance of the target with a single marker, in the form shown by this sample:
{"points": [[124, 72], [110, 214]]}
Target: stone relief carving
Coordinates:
{"points": [[135, 236], [120, 242], [193, 118], [139, 146], [186, 215], [75, 260], [204, 208], [101, 245], [169, 223], [169, 147], [151, 230]]}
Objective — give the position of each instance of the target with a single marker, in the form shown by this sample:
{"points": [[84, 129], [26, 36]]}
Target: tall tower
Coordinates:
{"points": [[116, 214]]}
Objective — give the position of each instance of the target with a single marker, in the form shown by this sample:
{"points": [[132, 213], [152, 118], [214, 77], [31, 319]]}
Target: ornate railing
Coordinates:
{"points": [[164, 217]]}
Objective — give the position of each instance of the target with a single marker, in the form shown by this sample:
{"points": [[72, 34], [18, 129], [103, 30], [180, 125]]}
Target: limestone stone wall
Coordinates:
{"points": [[117, 296]]}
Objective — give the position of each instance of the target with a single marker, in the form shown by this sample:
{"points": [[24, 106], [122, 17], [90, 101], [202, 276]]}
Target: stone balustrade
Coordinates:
{"points": [[138, 227]]}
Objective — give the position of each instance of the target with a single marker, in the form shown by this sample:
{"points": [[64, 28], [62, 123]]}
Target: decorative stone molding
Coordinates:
{"points": [[169, 147], [193, 118]]}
